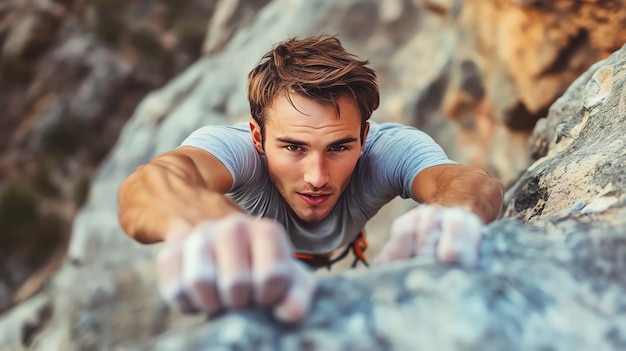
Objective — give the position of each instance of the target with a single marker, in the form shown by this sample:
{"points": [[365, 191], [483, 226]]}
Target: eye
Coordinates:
{"points": [[294, 148], [337, 148]]}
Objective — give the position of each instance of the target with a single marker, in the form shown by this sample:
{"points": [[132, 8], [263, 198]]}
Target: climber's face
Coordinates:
{"points": [[311, 151]]}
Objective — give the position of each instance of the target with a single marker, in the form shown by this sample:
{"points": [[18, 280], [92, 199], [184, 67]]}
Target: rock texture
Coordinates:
{"points": [[541, 274], [526, 53], [71, 73], [549, 278]]}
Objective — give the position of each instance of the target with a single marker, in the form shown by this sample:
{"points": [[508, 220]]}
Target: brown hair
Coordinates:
{"points": [[318, 68]]}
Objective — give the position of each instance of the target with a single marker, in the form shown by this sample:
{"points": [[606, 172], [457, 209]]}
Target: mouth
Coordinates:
{"points": [[314, 199]]}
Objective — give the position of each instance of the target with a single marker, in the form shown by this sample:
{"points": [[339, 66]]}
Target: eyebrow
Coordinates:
{"points": [[302, 143]]}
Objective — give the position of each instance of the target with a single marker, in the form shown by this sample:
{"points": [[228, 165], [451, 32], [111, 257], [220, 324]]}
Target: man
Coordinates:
{"points": [[233, 202]]}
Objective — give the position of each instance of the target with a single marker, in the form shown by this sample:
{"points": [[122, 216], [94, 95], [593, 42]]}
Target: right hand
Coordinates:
{"points": [[234, 262], [451, 234]]}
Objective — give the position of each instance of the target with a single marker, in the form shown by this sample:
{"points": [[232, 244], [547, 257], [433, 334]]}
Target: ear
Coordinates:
{"points": [[257, 137], [365, 133]]}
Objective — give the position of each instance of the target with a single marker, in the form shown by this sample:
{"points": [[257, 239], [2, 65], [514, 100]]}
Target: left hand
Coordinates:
{"points": [[233, 262], [451, 233]]}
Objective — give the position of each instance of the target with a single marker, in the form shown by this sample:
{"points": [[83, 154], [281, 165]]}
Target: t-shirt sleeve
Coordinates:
{"points": [[232, 146], [397, 154]]}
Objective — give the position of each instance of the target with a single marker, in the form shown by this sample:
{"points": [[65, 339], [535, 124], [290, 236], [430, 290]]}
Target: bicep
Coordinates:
{"points": [[201, 166]]}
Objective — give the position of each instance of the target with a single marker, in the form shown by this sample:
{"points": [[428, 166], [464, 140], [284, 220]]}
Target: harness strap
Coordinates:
{"points": [[358, 247]]}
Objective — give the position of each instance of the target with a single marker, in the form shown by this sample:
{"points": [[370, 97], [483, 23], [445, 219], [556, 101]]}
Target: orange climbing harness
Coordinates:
{"points": [[358, 247]]}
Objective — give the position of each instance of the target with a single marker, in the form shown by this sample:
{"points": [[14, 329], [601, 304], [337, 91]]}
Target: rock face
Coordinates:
{"points": [[71, 73], [550, 275], [527, 52], [553, 261]]}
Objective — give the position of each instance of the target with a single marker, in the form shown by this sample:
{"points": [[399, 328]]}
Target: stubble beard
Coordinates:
{"points": [[289, 194]]}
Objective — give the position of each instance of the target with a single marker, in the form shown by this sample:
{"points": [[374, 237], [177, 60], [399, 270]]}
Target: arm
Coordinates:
{"points": [[453, 185], [180, 187], [215, 257]]}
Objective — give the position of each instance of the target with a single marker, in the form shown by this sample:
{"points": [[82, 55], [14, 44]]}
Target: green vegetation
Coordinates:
{"points": [[26, 231], [190, 33], [64, 138]]}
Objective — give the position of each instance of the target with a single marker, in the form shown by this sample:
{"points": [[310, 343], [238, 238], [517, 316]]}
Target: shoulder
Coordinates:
{"points": [[395, 136], [238, 130], [236, 136], [392, 129], [232, 146]]}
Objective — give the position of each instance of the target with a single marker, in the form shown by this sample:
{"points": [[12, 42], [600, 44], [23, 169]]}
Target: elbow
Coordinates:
{"points": [[128, 211], [128, 221], [493, 192], [124, 209]]}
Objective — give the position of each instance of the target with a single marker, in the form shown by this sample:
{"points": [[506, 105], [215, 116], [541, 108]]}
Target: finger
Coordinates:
{"points": [[271, 258], [298, 300], [460, 238], [169, 264], [401, 242], [199, 273], [427, 229], [232, 256]]}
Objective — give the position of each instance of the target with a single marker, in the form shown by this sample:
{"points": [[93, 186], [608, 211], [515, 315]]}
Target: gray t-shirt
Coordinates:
{"points": [[394, 154]]}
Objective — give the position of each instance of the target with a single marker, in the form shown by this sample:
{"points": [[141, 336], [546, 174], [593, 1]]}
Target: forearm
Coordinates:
{"points": [[469, 187], [168, 189]]}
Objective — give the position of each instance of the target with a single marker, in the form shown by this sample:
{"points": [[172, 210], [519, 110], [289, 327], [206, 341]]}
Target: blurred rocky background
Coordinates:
{"points": [[71, 74], [91, 89]]}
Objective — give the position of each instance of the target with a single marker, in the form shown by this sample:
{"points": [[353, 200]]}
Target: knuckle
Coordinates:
{"points": [[272, 287], [234, 227], [197, 281], [206, 292], [236, 219], [276, 273], [236, 291]]}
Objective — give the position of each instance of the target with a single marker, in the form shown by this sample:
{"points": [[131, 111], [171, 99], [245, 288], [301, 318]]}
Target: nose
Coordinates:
{"points": [[316, 172]]}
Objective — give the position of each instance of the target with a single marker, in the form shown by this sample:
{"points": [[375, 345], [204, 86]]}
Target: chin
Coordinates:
{"points": [[314, 217]]}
